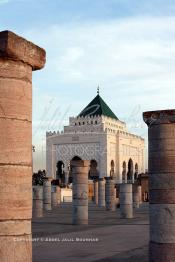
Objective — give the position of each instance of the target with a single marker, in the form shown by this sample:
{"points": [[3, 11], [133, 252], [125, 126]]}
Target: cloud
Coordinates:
{"points": [[133, 57], [4, 1], [133, 48], [10, 1], [133, 60]]}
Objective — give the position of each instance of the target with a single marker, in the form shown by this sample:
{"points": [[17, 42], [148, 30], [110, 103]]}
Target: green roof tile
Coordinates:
{"points": [[97, 107]]}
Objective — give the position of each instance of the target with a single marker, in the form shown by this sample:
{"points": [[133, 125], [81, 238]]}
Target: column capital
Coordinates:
{"points": [[17, 48], [159, 117]]}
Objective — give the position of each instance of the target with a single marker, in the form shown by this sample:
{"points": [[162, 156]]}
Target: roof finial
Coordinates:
{"points": [[98, 90]]}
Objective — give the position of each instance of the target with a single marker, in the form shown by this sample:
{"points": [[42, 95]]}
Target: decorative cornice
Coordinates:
{"points": [[159, 117]]}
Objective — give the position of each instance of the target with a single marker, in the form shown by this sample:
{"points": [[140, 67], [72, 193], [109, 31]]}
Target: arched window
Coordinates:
{"points": [[76, 158], [124, 172], [136, 172], [93, 172], [130, 171], [112, 168], [60, 174]]}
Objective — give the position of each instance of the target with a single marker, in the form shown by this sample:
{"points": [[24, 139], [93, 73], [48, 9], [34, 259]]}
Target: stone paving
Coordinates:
{"points": [[106, 238]]}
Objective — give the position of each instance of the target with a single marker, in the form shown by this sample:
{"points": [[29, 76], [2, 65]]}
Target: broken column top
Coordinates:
{"points": [[159, 117], [17, 48]]}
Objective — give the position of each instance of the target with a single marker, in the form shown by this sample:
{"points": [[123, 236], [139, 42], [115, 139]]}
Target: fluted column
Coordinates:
{"points": [[96, 191], [47, 194], [18, 57], [80, 169], [110, 194], [161, 141], [126, 201], [37, 201], [101, 192]]}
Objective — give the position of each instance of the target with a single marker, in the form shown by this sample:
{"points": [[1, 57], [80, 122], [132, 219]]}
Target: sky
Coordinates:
{"points": [[127, 47]]}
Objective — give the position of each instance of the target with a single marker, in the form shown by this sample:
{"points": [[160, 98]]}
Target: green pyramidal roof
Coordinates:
{"points": [[97, 107]]}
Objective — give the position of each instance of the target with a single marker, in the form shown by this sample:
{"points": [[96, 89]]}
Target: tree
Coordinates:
{"points": [[38, 178]]}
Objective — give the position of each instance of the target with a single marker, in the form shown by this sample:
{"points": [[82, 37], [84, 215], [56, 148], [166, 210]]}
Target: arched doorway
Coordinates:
{"points": [[112, 169], [70, 180], [124, 172], [93, 172], [136, 172], [60, 174], [76, 158], [130, 171]]}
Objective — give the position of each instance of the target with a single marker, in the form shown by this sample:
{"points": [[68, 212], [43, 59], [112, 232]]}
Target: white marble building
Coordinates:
{"points": [[96, 134]]}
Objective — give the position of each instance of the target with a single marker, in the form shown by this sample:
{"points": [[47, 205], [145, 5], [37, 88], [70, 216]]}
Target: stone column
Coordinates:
{"points": [[66, 177], [126, 172], [110, 194], [161, 138], [140, 194], [126, 203], [133, 180], [18, 58], [47, 194], [96, 192], [101, 192], [80, 170], [37, 201], [54, 196], [58, 192], [117, 201], [136, 196]]}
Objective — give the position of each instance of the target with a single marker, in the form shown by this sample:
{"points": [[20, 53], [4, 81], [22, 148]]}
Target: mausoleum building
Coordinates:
{"points": [[97, 135]]}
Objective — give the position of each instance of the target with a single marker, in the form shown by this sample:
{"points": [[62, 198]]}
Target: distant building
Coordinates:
{"points": [[96, 134]]}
